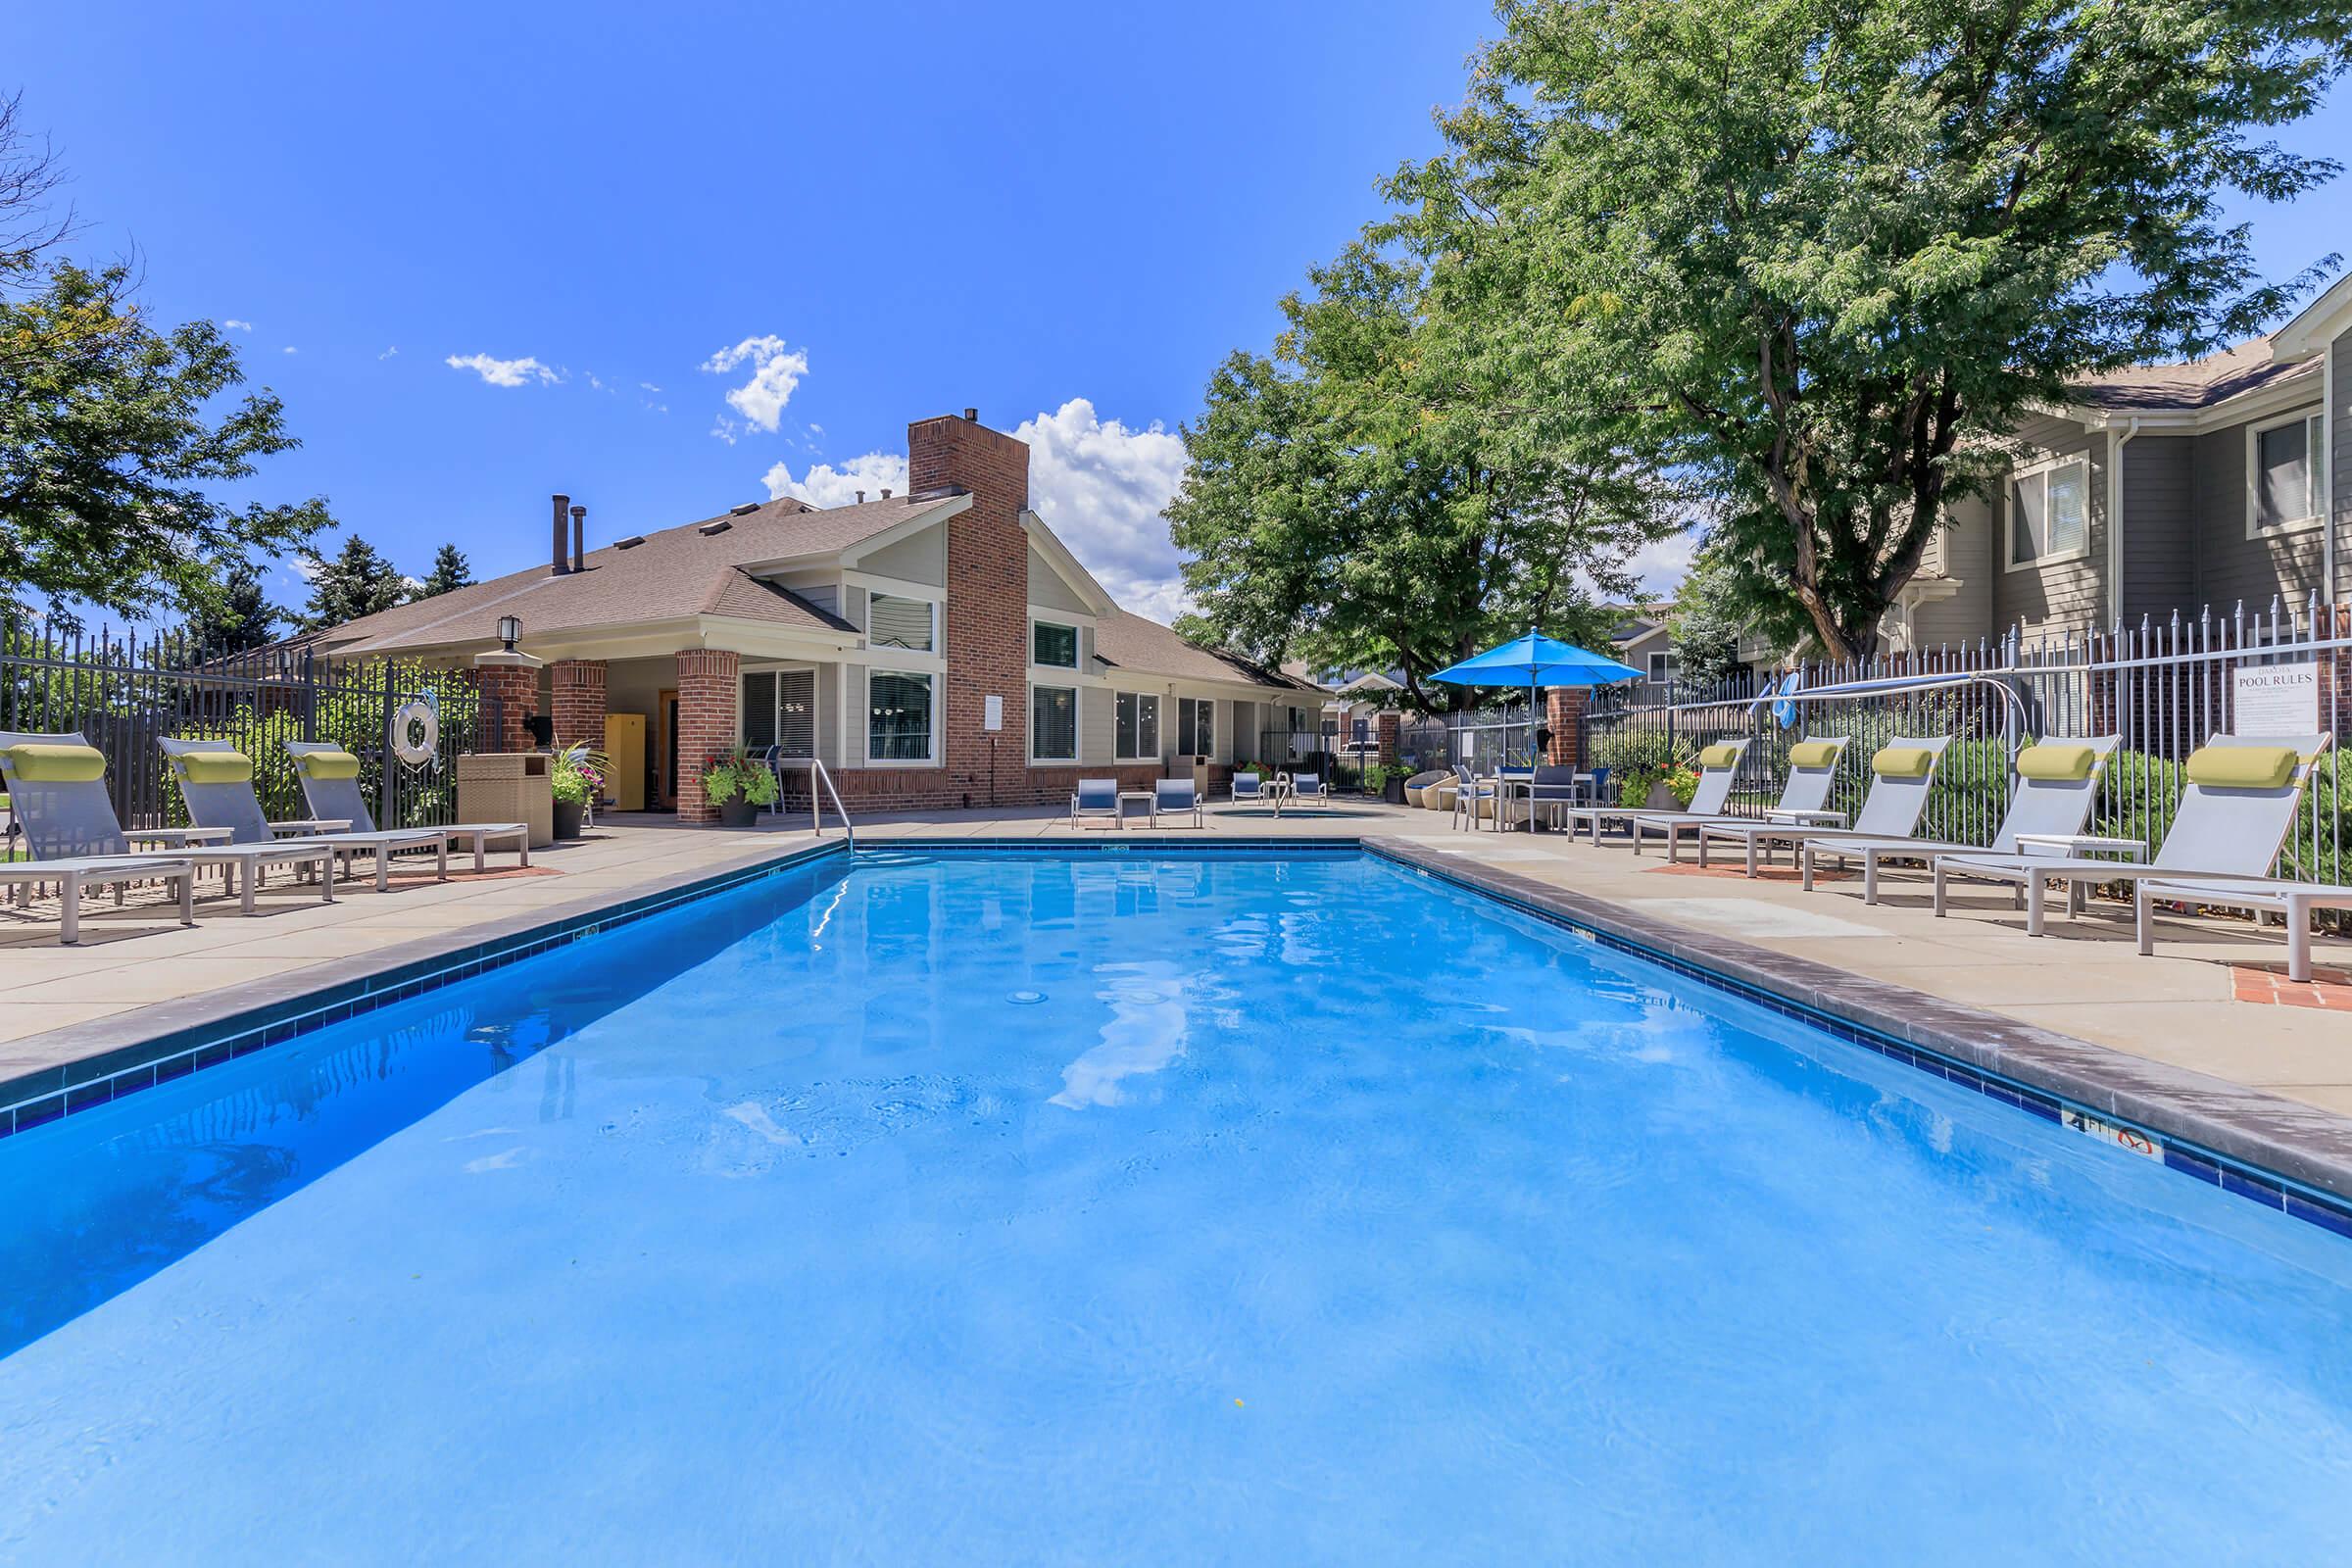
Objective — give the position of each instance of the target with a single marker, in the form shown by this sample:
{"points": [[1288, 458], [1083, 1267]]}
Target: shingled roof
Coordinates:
{"points": [[2194, 383], [1126, 641], [678, 573]]}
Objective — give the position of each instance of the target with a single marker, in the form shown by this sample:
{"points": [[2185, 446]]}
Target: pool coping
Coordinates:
{"points": [[2267, 1146]]}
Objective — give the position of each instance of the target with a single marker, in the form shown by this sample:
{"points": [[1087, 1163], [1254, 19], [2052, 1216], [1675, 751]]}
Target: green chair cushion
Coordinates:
{"points": [[2242, 768], [1903, 761], [328, 765], [56, 762], [1725, 753], [2057, 762], [1814, 753], [215, 768]]}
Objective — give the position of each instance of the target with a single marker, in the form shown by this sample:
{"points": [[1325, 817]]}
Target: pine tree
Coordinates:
{"points": [[450, 570], [238, 617], [357, 581]]}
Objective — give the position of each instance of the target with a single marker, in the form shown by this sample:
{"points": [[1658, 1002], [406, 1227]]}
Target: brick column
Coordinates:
{"points": [[708, 690], [1564, 712], [514, 688], [1388, 726], [578, 700]]}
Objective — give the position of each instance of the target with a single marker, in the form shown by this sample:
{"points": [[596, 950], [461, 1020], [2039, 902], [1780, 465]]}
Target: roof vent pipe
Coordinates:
{"points": [[579, 538], [971, 416], [862, 498], [886, 494], [558, 562]]}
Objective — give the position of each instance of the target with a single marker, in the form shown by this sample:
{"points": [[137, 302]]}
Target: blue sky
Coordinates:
{"points": [[847, 216]]}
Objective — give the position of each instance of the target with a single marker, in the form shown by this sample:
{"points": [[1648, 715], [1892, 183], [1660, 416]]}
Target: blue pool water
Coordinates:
{"points": [[1105, 1209]]}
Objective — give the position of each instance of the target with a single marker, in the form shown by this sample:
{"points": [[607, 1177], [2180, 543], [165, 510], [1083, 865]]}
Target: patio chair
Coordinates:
{"points": [[57, 786], [1473, 798], [1555, 788], [1247, 789], [1098, 799], [2057, 782], [1417, 789], [1309, 789], [215, 784], [331, 785], [1902, 775], [1176, 797], [2241, 799]]}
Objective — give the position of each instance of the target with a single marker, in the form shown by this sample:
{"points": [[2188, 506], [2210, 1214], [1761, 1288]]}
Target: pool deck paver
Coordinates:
{"points": [[2192, 1006]]}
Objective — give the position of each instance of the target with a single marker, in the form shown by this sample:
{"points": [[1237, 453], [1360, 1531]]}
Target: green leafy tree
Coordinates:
{"points": [[1828, 252], [357, 580], [1710, 616], [1336, 509], [238, 618], [450, 570]]}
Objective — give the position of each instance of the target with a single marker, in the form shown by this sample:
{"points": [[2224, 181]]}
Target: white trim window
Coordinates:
{"points": [[1052, 723], [899, 716], [1138, 727], [1195, 726], [2049, 513], [895, 621], [779, 710], [1053, 646], [2286, 473], [1665, 667]]}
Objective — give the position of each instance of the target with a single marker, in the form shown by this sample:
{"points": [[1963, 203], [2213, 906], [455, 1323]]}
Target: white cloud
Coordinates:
{"points": [[1102, 485], [235, 325], [1661, 564], [289, 349], [388, 353], [775, 372], [502, 373], [824, 485], [648, 386]]}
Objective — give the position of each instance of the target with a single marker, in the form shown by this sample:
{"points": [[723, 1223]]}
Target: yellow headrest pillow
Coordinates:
{"points": [[2242, 768], [1720, 755], [1903, 761], [1814, 753], [215, 768], [328, 765], [2057, 762], [56, 762]]}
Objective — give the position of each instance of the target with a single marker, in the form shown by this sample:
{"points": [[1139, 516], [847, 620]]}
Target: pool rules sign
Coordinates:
{"points": [[2277, 700]]}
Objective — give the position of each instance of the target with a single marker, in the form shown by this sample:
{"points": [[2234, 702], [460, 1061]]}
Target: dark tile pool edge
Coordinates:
{"points": [[107, 1059], [2275, 1152]]}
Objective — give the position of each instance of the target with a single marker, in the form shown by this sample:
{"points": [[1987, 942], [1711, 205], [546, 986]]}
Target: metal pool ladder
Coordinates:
{"points": [[817, 804]]}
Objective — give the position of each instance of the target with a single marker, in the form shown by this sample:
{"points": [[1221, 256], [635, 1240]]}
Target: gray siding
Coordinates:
{"points": [[918, 557], [852, 721], [1047, 588], [2233, 569], [2160, 526], [2068, 594], [1962, 550], [1097, 713]]}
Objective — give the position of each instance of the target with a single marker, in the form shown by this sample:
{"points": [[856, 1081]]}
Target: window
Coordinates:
{"points": [[895, 621], [2287, 482], [2050, 512], [898, 716], [1054, 724], [1138, 725], [1195, 726], [1664, 667], [1055, 647], [779, 710]]}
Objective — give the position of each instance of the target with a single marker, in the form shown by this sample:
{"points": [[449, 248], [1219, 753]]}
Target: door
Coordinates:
{"points": [[666, 752]]}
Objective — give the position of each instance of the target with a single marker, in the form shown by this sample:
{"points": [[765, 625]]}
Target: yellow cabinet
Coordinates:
{"points": [[624, 748]]}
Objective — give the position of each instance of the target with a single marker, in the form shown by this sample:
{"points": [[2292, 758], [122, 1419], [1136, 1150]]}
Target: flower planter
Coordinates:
{"points": [[1661, 797], [568, 818], [737, 813], [1392, 792]]}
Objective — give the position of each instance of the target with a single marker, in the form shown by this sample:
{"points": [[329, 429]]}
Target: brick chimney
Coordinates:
{"points": [[987, 632], [559, 563], [579, 538]]}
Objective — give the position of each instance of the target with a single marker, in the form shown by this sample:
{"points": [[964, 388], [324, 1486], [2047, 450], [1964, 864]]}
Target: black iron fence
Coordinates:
{"points": [[123, 693]]}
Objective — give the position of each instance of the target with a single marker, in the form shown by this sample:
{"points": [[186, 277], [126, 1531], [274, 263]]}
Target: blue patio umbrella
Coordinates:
{"points": [[1536, 660]]}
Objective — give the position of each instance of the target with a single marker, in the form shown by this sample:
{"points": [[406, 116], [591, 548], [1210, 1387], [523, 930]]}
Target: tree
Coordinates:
{"points": [[450, 570], [238, 618], [1333, 510], [1710, 616], [1829, 252], [356, 581]]}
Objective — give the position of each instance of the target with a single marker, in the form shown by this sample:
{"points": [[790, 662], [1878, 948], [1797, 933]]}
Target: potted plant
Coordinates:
{"points": [[740, 785], [576, 777]]}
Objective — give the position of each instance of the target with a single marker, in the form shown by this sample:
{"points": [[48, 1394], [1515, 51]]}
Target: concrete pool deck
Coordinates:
{"points": [[137, 973]]}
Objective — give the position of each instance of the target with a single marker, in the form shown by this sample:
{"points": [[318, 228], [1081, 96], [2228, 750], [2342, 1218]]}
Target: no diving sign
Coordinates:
{"points": [[2277, 700]]}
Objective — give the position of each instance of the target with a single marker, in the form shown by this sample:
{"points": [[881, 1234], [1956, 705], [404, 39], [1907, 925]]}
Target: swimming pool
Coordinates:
{"points": [[1125, 1207]]}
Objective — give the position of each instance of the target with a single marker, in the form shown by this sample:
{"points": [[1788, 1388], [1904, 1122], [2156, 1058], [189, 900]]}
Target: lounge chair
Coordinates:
{"points": [[1416, 788], [1247, 789], [1176, 797], [1718, 765], [215, 784], [1902, 775], [1096, 798], [1309, 789], [2241, 803], [331, 785], [57, 786], [2294, 901], [2057, 782]]}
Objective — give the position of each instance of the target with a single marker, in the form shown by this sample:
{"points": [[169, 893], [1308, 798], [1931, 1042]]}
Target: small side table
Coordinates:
{"points": [[1805, 818], [1145, 795], [2082, 847]]}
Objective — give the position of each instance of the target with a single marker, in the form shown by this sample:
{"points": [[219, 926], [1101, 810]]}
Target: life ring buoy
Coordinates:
{"points": [[416, 730]]}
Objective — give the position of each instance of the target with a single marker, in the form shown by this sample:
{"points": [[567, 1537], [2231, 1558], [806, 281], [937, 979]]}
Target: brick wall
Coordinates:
{"points": [[709, 686], [1388, 725], [1564, 712], [576, 699], [515, 690]]}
